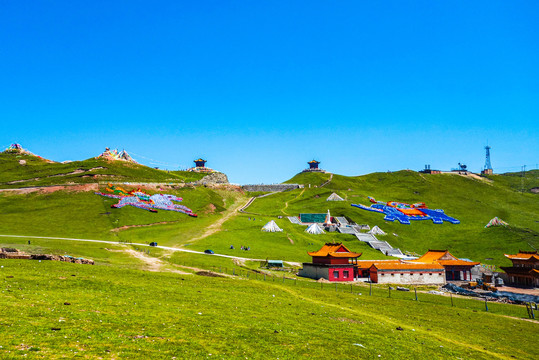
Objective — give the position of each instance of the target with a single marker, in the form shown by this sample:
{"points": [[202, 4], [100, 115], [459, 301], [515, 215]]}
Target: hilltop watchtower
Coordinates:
{"points": [[200, 166], [313, 167], [200, 162]]}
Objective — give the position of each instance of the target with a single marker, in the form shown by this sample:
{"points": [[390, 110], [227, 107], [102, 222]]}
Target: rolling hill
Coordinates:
{"points": [[140, 302]]}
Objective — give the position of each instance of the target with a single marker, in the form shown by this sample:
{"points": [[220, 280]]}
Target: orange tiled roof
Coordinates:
{"points": [[332, 250], [524, 255], [365, 264], [407, 266], [457, 262], [432, 256]]}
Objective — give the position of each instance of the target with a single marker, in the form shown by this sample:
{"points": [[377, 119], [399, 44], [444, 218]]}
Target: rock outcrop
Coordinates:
{"points": [[212, 179]]}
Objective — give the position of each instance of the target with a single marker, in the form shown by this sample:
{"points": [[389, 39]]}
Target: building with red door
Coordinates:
{"points": [[333, 262], [525, 269]]}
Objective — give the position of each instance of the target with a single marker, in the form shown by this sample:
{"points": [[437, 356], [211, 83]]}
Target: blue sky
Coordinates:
{"points": [[261, 87]]}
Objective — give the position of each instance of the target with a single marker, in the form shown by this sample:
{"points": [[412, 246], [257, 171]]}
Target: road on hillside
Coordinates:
{"points": [[138, 244]]}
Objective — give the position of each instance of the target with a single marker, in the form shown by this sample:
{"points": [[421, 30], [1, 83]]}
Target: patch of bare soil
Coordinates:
{"points": [[125, 227], [152, 263], [51, 189], [210, 209], [534, 291], [209, 274], [347, 320]]}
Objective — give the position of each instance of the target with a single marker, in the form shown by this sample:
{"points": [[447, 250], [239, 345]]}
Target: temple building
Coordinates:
{"points": [[333, 262], [200, 166], [525, 269], [313, 167], [455, 269]]}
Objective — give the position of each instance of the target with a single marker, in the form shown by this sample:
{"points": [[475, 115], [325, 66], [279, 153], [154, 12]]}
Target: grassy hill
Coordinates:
{"points": [[38, 172], [471, 200], [116, 309]]}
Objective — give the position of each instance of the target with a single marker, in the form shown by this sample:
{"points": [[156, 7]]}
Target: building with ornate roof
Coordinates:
{"points": [[455, 269], [333, 262], [313, 167], [525, 269], [200, 166]]}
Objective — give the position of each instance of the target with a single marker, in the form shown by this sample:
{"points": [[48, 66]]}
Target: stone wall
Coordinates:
{"points": [[271, 188], [412, 277], [314, 272]]}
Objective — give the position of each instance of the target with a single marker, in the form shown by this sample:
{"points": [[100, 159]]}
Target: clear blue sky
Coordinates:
{"points": [[261, 87]]}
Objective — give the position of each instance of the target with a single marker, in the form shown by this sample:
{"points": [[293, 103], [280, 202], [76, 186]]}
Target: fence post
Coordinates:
{"points": [[531, 308], [283, 279], [451, 295], [415, 290], [351, 289], [486, 305], [234, 271], [370, 289], [335, 287], [389, 289]]}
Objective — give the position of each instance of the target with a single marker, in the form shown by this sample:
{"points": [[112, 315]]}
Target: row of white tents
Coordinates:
{"points": [[314, 229], [272, 226]]}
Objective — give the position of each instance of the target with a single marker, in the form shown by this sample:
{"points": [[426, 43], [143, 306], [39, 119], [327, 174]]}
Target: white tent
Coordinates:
{"points": [[314, 229], [377, 231], [271, 227], [334, 197]]}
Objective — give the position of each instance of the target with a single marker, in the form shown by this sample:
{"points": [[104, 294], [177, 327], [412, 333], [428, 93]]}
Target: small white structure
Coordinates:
{"points": [[314, 229], [271, 227], [334, 197], [377, 231]]}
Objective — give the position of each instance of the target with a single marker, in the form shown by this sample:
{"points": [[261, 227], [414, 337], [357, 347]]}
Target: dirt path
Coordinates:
{"points": [[152, 263], [328, 180], [216, 226], [286, 203], [142, 225]]}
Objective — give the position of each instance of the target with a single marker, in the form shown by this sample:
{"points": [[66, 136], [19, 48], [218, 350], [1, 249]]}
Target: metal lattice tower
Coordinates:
{"points": [[488, 166]]}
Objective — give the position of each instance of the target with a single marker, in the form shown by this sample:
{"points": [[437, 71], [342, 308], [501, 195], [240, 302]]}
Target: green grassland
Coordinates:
{"points": [[54, 310], [118, 311]]}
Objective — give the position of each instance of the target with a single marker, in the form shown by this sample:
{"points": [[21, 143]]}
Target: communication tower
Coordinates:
{"points": [[488, 167]]}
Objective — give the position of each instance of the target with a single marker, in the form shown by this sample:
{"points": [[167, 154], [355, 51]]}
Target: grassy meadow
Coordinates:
{"points": [[62, 310], [118, 309]]}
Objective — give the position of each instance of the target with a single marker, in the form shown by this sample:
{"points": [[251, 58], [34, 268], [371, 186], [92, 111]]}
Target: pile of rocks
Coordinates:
{"points": [[11, 253]]}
